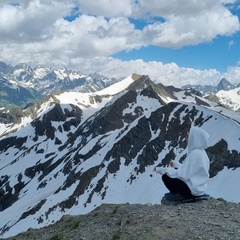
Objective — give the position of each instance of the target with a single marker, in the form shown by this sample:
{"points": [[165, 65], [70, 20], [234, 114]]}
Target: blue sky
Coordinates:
{"points": [[219, 54], [193, 41]]}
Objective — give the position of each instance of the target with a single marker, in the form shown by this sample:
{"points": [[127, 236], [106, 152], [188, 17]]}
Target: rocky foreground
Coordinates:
{"points": [[206, 219]]}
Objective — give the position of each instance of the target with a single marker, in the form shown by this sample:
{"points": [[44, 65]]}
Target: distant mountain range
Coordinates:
{"points": [[73, 151], [224, 84], [22, 85]]}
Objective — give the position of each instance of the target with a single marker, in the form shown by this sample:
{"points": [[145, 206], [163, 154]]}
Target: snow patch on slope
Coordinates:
{"points": [[230, 98]]}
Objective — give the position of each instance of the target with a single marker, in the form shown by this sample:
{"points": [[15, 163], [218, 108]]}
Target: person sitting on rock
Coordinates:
{"points": [[189, 179]]}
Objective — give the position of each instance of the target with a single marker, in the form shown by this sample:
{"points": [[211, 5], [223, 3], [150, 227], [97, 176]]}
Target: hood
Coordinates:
{"points": [[197, 138]]}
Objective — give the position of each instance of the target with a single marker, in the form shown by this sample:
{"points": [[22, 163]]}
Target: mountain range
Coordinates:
{"points": [[224, 85], [22, 86], [73, 151]]}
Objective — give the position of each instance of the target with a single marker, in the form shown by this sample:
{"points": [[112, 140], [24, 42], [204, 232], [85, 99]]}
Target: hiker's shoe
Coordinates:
{"points": [[197, 198], [173, 197]]}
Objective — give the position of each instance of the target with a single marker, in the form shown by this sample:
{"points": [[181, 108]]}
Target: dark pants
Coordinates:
{"points": [[175, 186]]}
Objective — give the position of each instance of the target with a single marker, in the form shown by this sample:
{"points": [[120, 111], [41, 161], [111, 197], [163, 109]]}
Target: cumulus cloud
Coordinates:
{"points": [[32, 22], [39, 31], [188, 22], [107, 8], [233, 73], [167, 74]]}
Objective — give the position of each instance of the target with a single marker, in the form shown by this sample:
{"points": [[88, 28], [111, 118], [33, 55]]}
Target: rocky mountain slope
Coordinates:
{"points": [[73, 152]]}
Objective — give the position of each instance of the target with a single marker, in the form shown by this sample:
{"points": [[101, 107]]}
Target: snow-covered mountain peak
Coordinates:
{"points": [[41, 71], [116, 87], [224, 84]]}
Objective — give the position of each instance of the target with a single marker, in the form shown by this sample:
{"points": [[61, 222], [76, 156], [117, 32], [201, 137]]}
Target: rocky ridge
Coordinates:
{"points": [[211, 219]]}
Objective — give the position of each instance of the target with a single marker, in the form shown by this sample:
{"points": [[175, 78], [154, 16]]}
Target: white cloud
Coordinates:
{"points": [[188, 22], [32, 22], [184, 22], [36, 32], [165, 8], [107, 8], [230, 44], [167, 74], [233, 74]]}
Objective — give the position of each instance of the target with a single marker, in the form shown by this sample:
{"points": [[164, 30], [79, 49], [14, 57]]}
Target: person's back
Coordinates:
{"points": [[190, 178]]}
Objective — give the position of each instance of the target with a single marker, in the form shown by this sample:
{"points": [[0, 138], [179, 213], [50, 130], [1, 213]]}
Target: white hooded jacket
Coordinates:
{"points": [[194, 171]]}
